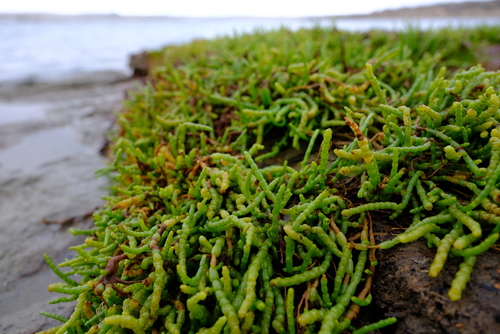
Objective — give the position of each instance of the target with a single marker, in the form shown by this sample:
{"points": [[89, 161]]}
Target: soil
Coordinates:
{"points": [[403, 289]]}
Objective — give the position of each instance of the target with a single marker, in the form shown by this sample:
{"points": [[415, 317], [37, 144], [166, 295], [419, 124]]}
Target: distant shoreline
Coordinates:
{"points": [[472, 9], [475, 9]]}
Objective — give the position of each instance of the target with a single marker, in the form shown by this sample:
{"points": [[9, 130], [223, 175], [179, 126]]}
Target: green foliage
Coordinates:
{"points": [[210, 228]]}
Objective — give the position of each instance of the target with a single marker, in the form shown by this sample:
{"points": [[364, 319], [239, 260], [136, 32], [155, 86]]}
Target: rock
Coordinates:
{"points": [[47, 171], [139, 63]]}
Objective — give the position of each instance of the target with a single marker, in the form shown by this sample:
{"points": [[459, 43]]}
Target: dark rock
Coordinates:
{"points": [[139, 63]]}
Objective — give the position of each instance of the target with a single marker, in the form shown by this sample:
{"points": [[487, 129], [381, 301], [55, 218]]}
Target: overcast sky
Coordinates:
{"points": [[211, 8]]}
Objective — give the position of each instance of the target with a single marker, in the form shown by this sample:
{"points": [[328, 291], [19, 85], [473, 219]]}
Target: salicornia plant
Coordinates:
{"points": [[212, 226]]}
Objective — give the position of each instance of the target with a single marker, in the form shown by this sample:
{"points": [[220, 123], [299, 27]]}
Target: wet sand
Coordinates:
{"points": [[50, 138]]}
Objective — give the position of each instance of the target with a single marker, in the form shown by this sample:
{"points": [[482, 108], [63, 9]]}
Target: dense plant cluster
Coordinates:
{"points": [[246, 173]]}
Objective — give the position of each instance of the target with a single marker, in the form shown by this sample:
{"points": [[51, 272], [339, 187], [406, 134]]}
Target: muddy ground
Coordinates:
{"points": [[402, 288], [50, 140]]}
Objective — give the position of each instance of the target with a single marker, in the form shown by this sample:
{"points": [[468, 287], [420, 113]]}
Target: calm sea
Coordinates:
{"points": [[48, 50]]}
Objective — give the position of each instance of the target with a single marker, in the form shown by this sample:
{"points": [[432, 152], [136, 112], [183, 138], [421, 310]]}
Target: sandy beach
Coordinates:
{"points": [[51, 136]]}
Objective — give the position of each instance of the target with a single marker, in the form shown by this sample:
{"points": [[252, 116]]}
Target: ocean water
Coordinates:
{"points": [[45, 50]]}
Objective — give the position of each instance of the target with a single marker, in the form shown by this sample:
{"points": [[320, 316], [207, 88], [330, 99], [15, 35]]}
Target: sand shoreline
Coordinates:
{"points": [[49, 152]]}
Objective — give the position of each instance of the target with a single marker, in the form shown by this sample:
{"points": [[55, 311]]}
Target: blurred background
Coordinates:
{"points": [[64, 70], [54, 40]]}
